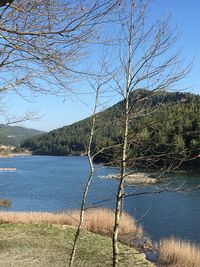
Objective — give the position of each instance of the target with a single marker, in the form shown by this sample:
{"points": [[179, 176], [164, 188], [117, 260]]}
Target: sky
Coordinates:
{"points": [[54, 112]]}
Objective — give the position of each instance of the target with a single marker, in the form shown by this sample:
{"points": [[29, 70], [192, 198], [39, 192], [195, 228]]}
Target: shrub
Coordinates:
{"points": [[98, 220], [177, 253], [5, 203]]}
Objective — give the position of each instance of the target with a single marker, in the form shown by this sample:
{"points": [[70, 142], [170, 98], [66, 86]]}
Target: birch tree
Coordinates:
{"points": [[97, 84], [146, 60]]}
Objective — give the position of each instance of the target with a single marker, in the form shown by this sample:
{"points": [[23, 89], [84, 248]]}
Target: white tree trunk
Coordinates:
{"points": [[82, 211]]}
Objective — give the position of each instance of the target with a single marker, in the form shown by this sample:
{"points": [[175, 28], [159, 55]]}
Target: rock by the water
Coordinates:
{"points": [[134, 178]]}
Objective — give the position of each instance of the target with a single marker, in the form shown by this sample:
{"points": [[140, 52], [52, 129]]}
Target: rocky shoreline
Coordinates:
{"points": [[10, 154], [134, 178]]}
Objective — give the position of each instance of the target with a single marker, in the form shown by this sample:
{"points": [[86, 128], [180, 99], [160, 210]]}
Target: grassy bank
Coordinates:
{"points": [[46, 245], [45, 239]]}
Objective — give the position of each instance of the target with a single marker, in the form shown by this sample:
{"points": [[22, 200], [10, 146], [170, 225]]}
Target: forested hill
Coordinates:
{"points": [[166, 123], [15, 135]]}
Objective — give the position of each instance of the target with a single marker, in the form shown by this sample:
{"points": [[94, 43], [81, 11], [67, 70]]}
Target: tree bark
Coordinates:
{"points": [[120, 193], [82, 211]]}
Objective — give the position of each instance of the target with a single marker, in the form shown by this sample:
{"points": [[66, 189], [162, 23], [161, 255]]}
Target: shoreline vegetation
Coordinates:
{"points": [[6, 203], [15, 154], [97, 220], [97, 229], [175, 253], [50, 246]]}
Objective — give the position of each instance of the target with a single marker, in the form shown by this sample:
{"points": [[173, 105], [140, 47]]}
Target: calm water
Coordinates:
{"points": [[56, 183]]}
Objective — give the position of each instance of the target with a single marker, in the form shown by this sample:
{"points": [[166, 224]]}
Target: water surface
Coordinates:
{"points": [[44, 183]]}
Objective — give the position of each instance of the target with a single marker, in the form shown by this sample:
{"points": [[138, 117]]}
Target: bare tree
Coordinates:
{"points": [[42, 42], [146, 60], [96, 83]]}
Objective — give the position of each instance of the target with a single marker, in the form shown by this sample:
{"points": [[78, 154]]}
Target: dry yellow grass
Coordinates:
{"points": [[178, 253], [99, 220]]}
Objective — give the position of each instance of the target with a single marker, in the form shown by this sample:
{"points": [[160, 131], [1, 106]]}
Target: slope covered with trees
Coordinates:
{"points": [[164, 127], [14, 135]]}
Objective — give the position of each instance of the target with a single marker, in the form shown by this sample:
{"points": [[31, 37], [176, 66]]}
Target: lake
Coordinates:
{"points": [[44, 183]]}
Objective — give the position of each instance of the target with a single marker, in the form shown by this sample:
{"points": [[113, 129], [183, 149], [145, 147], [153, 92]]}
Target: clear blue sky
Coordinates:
{"points": [[57, 112]]}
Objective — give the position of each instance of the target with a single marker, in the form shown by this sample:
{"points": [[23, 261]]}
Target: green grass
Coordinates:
{"points": [[46, 245]]}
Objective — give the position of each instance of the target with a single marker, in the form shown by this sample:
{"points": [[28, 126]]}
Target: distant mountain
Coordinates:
{"points": [[164, 127], [15, 135]]}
